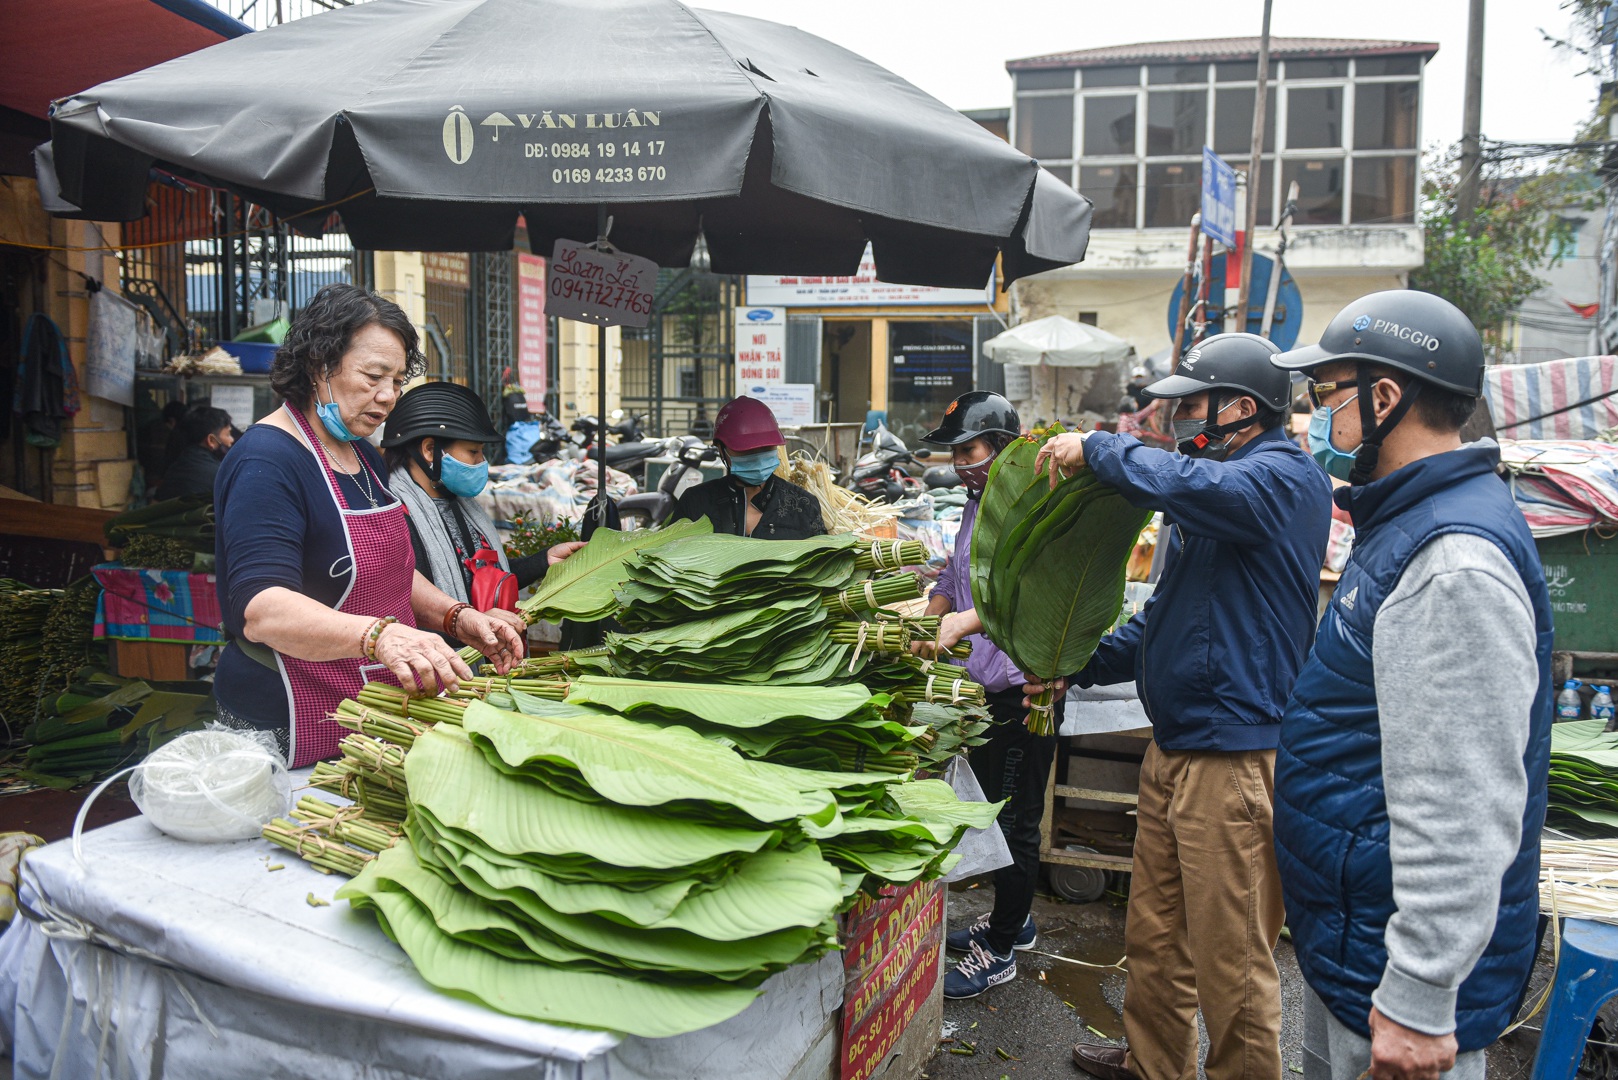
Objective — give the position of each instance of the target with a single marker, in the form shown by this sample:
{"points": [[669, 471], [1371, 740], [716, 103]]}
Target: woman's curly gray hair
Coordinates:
{"points": [[323, 332]]}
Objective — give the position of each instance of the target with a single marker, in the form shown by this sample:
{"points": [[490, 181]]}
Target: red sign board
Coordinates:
{"points": [[531, 363], [892, 950]]}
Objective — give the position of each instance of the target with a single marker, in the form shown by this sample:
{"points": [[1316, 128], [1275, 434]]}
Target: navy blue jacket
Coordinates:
{"points": [[1216, 649], [1331, 814]]}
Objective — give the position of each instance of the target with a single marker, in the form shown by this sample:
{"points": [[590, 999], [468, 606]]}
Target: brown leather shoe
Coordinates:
{"points": [[1103, 1062]]}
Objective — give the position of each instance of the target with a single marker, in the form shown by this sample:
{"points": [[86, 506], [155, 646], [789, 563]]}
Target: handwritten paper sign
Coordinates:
{"points": [[605, 288]]}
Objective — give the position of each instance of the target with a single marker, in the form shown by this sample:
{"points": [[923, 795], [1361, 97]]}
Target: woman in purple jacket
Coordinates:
{"points": [[1014, 763]]}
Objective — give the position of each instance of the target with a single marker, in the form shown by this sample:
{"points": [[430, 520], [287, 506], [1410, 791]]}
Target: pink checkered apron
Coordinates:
{"points": [[384, 567]]}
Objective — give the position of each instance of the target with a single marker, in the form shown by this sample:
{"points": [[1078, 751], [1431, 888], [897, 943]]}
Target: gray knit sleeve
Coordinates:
{"points": [[1456, 677]]}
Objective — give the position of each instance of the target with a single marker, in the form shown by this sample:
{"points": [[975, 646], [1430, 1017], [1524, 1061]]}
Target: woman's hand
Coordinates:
{"points": [[420, 660], [1030, 689], [953, 627], [558, 552], [495, 634]]}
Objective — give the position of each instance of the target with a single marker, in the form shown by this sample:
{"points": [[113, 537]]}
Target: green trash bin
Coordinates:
{"points": [[1581, 570]]}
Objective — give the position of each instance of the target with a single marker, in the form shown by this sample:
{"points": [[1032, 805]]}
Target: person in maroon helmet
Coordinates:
{"points": [[751, 500]]}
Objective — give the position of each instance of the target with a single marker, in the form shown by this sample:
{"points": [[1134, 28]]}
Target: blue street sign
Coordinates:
{"points": [[1218, 198]]}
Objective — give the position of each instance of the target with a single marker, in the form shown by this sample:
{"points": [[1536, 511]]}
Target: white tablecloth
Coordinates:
{"points": [[222, 968], [1101, 710]]}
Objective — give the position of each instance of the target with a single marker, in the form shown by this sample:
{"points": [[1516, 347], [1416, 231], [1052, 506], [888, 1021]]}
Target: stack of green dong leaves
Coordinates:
{"points": [[636, 837], [567, 863], [1583, 784], [1048, 566]]}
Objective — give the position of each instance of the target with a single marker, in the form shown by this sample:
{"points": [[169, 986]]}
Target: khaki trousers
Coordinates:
{"points": [[1205, 911]]}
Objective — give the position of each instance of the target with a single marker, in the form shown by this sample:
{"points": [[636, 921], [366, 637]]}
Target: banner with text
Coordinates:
{"points": [[892, 949], [531, 341], [761, 346]]}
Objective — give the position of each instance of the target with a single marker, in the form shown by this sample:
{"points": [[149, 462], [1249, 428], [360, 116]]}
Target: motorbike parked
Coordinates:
{"points": [[630, 452], [882, 473], [650, 509]]}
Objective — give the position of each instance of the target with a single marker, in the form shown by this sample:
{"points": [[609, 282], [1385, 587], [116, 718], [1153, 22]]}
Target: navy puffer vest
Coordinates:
{"points": [[1331, 818]]}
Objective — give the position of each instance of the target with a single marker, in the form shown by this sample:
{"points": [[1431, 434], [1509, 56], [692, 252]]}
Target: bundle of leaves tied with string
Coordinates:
{"points": [[1048, 566]]}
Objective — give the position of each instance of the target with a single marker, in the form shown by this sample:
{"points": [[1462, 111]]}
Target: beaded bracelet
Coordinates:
{"points": [[452, 617], [373, 634]]}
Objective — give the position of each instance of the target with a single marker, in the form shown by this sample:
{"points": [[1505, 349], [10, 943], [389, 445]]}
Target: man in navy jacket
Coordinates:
{"points": [[1214, 654]]}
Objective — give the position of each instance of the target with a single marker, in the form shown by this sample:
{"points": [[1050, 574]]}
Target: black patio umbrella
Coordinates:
{"points": [[429, 125]]}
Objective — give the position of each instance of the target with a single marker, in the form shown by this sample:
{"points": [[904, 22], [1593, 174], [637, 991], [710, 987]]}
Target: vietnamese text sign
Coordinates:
{"points": [[1218, 198], [890, 962], [110, 352], [761, 345], [860, 289], [605, 288], [531, 359], [236, 399], [792, 404]]}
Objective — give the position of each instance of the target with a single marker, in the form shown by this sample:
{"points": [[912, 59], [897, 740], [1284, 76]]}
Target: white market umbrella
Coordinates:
{"points": [[1058, 342]]}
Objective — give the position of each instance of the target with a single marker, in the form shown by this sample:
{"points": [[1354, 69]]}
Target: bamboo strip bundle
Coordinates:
{"points": [[841, 509], [1579, 878]]}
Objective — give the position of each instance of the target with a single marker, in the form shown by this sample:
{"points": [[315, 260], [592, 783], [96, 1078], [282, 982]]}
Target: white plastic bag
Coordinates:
{"points": [[981, 850], [212, 786]]}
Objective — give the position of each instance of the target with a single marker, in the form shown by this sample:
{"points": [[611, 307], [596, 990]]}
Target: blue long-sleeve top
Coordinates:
{"points": [[1215, 651]]}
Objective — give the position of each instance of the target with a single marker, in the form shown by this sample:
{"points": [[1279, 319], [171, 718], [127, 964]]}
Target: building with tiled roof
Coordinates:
{"points": [[1126, 125]]}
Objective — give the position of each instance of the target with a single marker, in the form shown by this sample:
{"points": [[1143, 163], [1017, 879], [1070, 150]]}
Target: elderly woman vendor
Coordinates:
{"points": [[317, 581]]}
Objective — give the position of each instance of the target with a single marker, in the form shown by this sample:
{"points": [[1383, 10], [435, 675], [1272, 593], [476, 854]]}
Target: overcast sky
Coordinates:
{"points": [[956, 49]]}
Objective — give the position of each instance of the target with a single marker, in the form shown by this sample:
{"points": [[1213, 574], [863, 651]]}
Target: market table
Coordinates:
{"points": [[159, 957]]}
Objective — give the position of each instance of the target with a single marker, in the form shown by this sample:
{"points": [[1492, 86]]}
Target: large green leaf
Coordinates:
{"points": [[1048, 566], [1072, 588], [727, 704], [535, 990], [674, 951], [636, 764], [584, 587], [451, 778]]}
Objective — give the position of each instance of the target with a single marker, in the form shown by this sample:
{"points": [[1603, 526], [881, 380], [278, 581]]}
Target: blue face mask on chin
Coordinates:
{"points": [[332, 420], [462, 479], [1336, 462], [754, 468]]}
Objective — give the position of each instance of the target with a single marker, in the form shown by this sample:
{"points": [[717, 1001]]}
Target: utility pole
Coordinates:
{"points": [[1466, 193], [1255, 169]]}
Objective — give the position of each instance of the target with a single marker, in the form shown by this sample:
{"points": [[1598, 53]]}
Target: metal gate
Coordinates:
{"points": [[678, 370]]}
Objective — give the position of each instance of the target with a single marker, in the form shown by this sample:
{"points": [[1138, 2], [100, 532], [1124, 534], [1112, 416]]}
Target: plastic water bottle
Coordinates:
{"points": [[1569, 706], [1601, 705]]}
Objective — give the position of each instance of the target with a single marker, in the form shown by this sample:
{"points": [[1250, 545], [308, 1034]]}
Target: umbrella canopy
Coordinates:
{"points": [[431, 124], [1059, 342]]}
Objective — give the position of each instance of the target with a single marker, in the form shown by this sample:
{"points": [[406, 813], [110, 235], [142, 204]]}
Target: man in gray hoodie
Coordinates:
{"points": [[1411, 776]]}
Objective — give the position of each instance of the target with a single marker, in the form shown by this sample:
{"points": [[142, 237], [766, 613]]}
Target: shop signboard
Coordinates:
{"points": [[761, 346], [793, 404], [448, 268], [860, 289], [606, 288], [1218, 198], [531, 366], [893, 946]]}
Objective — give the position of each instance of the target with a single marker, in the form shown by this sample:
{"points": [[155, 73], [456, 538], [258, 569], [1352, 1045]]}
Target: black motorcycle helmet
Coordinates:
{"points": [[1239, 365], [978, 412], [1229, 362], [1422, 335], [442, 411]]}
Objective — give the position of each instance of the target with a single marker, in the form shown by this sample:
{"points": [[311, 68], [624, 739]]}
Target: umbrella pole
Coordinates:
{"points": [[601, 393]]}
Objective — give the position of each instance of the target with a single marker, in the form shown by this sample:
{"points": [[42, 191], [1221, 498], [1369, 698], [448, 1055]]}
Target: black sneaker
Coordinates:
{"points": [[978, 931]]}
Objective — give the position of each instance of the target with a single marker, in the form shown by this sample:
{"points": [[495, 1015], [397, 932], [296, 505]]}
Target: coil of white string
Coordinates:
{"points": [[206, 786]]}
